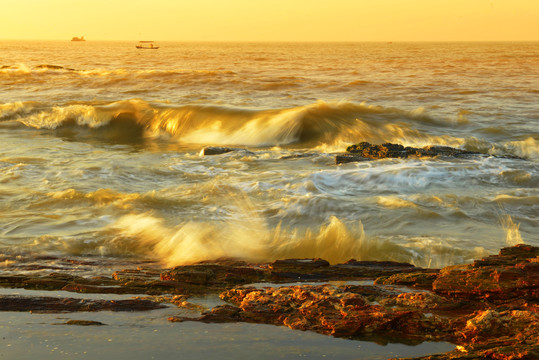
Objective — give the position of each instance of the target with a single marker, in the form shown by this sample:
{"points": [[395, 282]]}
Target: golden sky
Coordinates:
{"points": [[271, 20]]}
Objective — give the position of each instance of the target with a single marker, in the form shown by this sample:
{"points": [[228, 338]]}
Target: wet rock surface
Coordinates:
{"points": [[57, 304], [319, 269], [333, 311], [390, 150], [218, 150], [84, 323], [511, 275], [364, 151], [207, 278], [215, 150], [489, 309]]}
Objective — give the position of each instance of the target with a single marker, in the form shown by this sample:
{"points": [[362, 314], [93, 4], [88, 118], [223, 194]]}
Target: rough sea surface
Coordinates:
{"points": [[100, 151]]}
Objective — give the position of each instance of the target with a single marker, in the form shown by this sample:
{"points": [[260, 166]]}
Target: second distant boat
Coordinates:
{"points": [[147, 45]]}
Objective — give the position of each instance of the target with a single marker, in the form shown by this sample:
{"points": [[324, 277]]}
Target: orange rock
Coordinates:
{"points": [[511, 274]]}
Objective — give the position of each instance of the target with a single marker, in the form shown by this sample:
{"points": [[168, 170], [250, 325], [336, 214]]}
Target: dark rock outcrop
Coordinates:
{"points": [[365, 150], [207, 278], [218, 150], [389, 150], [214, 150], [512, 274]]}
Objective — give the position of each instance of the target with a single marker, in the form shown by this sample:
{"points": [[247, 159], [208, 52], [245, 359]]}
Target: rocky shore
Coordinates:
{"points": [[489, 309]]}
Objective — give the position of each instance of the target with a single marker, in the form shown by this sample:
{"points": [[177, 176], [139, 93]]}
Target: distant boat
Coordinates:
{"points": [[147, 45], [78, 38]]}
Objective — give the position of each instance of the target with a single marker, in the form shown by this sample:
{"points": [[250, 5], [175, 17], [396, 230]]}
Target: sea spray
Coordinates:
{"points": [[254, 241], [250, 240], [246, 235], [527, 148], [512, 233]]}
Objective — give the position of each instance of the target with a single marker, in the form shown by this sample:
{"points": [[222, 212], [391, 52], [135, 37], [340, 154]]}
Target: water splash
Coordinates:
{"points": [[246, 235], [250, 240], [528, 148], [512, 233]]}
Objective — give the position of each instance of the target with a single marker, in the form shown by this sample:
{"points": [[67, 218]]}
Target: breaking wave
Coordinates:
{"points": [[255, 241], [326, 126], [316, 124]]}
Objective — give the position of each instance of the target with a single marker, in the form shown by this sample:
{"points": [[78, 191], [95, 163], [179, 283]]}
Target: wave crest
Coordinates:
{"points": [[317, 124], [325, 126]]}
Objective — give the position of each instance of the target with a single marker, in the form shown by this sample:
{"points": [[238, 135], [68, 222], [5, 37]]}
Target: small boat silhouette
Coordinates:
{"points": [[78, 38], [147, 45]]}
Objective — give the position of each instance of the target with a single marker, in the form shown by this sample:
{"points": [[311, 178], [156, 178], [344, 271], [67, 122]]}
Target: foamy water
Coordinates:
{"points": [[101, 145]]}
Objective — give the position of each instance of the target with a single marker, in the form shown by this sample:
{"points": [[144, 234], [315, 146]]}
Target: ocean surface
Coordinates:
{"points": [[100, 152]]}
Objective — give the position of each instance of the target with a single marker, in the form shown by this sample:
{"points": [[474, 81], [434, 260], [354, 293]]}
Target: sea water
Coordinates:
{"points": [[101, 167], [100, 150]]}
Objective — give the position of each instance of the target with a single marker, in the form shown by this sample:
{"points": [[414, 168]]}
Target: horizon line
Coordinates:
{"points": [[278, 41]]}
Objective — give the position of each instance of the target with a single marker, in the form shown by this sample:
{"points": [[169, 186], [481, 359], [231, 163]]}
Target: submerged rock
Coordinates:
{"points": [[297, 156], [84, 323], [348, 158], [219, 314], [57, 304]]}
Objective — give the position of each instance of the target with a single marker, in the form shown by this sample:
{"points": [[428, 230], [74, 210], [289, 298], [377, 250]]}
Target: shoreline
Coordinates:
{"points": [[487, 309]]}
